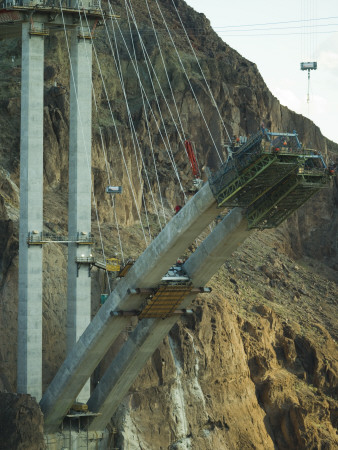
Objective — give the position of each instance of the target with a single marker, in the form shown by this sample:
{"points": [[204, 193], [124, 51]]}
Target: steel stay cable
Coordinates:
{"points": [[147, 125], [113, 198], [106, 161], [191, 88], [134, 134], [165, 69], [137, 73], [118, 137], [150, 108], [198, 63], [148, 62], [159, 84], [82, 130]]}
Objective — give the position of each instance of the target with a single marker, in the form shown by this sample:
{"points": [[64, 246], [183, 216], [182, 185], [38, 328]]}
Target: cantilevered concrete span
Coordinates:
{"points": [[147, 272], [147, 336]]}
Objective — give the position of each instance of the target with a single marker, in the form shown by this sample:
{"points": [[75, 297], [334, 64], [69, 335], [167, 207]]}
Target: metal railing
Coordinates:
{"points": [[44, 238]]}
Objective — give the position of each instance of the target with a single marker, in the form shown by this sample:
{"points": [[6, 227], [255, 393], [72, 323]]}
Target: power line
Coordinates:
{"points": [[227, 32], [276, 34], [278, 23], [306, 27]]}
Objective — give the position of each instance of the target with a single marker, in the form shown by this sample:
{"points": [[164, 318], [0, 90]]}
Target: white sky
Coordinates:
{"points": [[278, 49]]}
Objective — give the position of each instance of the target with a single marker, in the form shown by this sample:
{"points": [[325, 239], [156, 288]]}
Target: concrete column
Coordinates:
{"points": [[79, 202], [29, 367], [149, 333]]}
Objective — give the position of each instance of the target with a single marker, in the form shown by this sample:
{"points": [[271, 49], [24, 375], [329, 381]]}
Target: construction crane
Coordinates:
{"points": [[197, 183], [308, 66]]}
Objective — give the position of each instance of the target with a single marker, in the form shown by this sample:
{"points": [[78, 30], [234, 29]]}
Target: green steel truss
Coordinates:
{"points": [[242, 179], [261, 183], [271, 184], [279, 203]]}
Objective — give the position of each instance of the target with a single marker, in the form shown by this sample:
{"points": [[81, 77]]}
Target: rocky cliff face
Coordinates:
{"points": [[256, 366]]}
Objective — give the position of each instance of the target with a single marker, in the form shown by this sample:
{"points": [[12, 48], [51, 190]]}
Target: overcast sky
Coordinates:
{"points": [[277, 36]]}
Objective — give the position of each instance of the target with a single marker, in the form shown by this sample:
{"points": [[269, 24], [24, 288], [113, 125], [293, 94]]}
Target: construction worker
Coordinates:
{"points": [[285, 143]]}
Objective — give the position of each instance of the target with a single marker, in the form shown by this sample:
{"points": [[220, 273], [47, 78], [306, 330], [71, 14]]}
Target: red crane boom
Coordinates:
{"points": [[192, 159]]}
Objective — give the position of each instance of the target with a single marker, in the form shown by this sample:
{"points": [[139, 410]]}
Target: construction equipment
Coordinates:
{"points": [[273, 175], [103, 298], [113, 265], [175, 275], [125, 269], [114, 189], [308, 66], [80, 407], [165, 301], [197, 183]]}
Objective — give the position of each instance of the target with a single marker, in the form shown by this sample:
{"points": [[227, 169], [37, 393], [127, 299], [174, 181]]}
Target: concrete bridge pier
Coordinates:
{"points": [[29, 367], [79, 202]]}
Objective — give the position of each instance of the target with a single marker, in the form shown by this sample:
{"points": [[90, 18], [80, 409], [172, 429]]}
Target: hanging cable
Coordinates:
{"points": [[106, 164], [192, 89], [118, 138], [206, 83], [148, 63], [150, 108], [82, 131], [165, 70], [147, 124], [120, 74]]}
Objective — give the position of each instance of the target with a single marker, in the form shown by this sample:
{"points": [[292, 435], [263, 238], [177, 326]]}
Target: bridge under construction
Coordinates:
{"points": [[263, 181]]}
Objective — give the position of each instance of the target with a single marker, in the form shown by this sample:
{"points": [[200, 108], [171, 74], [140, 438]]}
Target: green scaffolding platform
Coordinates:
{"points": [[259, 170], [285, 198]]}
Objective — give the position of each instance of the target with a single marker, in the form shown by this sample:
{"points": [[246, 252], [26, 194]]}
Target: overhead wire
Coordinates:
{"points": [[106, 162], [135, 140], [134, 134], [149, 105], [118, 137], [147, 123], [238, 28], [148, 63], [276, 23], [82, 130], [202, 72], [189, 82]]}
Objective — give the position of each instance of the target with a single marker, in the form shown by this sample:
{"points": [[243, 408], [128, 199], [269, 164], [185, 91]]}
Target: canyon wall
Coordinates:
{"points": [[256, 365]]}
